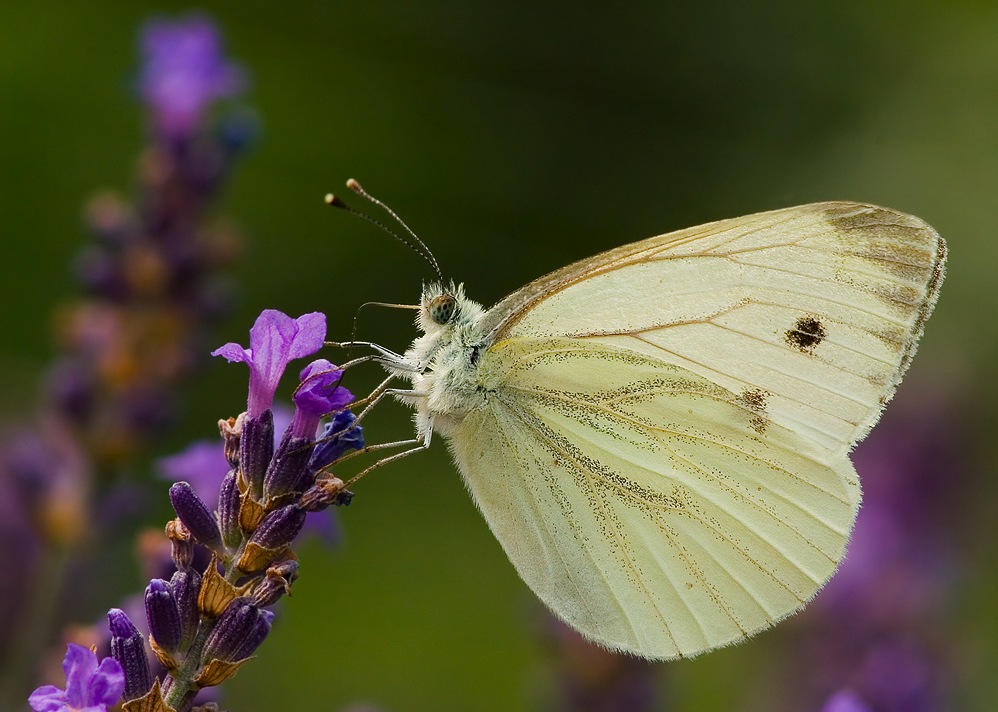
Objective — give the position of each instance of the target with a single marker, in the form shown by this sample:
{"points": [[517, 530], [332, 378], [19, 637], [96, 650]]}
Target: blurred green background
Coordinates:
{"points": [[514, 138]]}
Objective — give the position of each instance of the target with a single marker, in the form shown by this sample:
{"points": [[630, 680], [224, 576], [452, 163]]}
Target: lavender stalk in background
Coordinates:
{"points": [[152, 286]]}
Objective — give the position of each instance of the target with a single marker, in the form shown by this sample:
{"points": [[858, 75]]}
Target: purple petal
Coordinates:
{"points": [[275, 339], [80, 664], [270, 341], [273, 331], [48, 698], [310, 336], [319, 392], [234, 353], [107, 684]]}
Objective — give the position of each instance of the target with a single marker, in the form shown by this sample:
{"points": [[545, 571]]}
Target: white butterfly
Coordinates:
{"points": [[658, 435]]}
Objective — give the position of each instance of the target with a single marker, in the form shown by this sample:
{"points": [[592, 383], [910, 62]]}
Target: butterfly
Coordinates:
{"points": [[659, 435]]}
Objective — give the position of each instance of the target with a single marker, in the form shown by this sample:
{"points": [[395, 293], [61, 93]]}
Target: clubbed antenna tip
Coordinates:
{"points": [[417, 245], [334, 201]]}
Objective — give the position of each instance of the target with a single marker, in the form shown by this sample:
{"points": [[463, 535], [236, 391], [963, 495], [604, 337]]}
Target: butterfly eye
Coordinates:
{"points": [[442, 308]]}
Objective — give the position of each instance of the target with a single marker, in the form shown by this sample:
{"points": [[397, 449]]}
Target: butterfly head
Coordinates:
{"points": [[445, 306]]}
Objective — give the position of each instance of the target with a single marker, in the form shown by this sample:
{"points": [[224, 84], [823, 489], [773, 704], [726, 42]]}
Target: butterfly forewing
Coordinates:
{"points": [[640, 502], [815, 309]]}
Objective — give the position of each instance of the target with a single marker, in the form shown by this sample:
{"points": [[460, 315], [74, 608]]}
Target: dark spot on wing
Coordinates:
{"points": [[755, 400], [806, 334]]}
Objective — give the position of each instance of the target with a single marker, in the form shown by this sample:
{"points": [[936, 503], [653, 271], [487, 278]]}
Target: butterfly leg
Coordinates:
{"points": [[419, 444], [381, 355], [372, 400]]}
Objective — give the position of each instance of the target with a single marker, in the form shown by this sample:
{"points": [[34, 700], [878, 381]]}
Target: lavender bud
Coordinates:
{"points": [[195, 515], [288, 465], [163, 615], [326, 491], [228, 510], [340, 436], [186, 585], [231, 430], [257, 634], [256, 448], [238, 629], [181, 546], [128, 648], [279, 527], [276, 583]]}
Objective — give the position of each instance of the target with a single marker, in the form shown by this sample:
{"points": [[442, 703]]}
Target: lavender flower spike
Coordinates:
{"points": [[275, 340], [90, 686]]}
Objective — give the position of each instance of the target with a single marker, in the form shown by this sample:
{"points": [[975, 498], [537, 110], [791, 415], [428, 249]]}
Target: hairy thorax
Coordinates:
{"points": [[451, 382]]}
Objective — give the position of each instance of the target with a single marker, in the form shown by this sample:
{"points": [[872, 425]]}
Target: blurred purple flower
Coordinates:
{"points": [[275, 340], [845, 701], [202, 464], [870, 641], [90, 687], [184, 71]]}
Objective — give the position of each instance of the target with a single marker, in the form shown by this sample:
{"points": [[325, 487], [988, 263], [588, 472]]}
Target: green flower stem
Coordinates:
{"points": [[179, 695]]}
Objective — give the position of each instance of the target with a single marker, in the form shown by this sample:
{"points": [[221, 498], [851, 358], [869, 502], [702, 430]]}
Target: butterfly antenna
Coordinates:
{"points": [[414, 243]]}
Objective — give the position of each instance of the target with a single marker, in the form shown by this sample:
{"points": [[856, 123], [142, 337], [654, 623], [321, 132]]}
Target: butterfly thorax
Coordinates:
{"points": [[448, 358]]}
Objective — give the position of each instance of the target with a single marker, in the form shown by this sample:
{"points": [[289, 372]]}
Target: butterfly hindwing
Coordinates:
{"points": [[639, 500]]}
